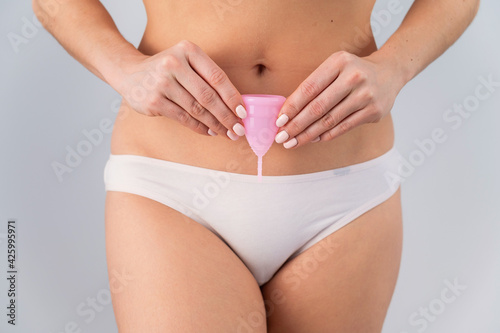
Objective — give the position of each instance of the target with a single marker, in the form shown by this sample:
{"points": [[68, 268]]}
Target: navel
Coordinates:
{"points": [[261, 68]]}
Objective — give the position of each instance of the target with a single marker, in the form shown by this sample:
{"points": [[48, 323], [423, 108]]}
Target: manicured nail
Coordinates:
{"points": [[241, 112], [212, 133], [281, 120], [281, 137], [232, 136], [316, 140], [239, 129], [290, 144]]}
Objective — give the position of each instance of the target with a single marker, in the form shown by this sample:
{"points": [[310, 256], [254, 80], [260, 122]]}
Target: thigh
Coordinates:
{"points": [[345, 282], [170, 274]]}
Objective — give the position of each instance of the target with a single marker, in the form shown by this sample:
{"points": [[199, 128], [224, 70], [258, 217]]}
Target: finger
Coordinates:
{"points": [[206, 96], [355, 119], [186, 101], [352, 103], [163, 106], [316, 109], [311, 87], [206, 68]]}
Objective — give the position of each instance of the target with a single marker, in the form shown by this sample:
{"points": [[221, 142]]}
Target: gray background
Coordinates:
{"points": [[450, 201]]}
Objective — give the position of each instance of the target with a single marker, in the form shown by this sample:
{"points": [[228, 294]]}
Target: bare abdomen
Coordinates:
{"points": [[266, 48]]}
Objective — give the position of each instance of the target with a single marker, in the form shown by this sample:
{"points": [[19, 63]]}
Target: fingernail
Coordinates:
{"points": [[281, 137], [212, 133], [239, 129], [281, 120], [316, 140], [232, 136], [241, 112], [290, 144]]}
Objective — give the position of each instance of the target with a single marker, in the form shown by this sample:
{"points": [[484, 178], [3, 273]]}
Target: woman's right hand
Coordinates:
{"points": [[182, 83]]}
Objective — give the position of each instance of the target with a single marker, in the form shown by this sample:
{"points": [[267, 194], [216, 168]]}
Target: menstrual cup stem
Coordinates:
{"points": [[259, 168]]}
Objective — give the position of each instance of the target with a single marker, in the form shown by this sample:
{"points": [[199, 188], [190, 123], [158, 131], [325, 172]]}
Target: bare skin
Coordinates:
{"points": [[187, 76]]}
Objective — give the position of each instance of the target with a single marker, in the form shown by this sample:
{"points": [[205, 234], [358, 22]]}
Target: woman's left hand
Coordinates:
{"points": [[345, 91]]}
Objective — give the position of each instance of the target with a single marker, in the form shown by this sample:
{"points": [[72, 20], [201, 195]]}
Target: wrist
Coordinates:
{"points": [[118, 65], [393, 65]]}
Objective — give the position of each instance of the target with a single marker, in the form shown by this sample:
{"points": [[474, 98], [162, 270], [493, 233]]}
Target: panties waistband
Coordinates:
{"points": [[390, 158]]}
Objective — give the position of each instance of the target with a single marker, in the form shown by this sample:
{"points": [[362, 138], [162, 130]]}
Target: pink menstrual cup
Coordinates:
{"points": [[260, 123]]}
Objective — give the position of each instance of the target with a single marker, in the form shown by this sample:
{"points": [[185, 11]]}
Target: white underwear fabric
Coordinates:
{"points": [[268, 223]]}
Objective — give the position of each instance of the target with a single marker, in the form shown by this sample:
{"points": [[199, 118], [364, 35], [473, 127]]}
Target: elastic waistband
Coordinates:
{"points": [[390, 159]]}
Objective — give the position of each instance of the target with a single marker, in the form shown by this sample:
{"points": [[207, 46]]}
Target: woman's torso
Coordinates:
{"points": [[289, 39]]}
